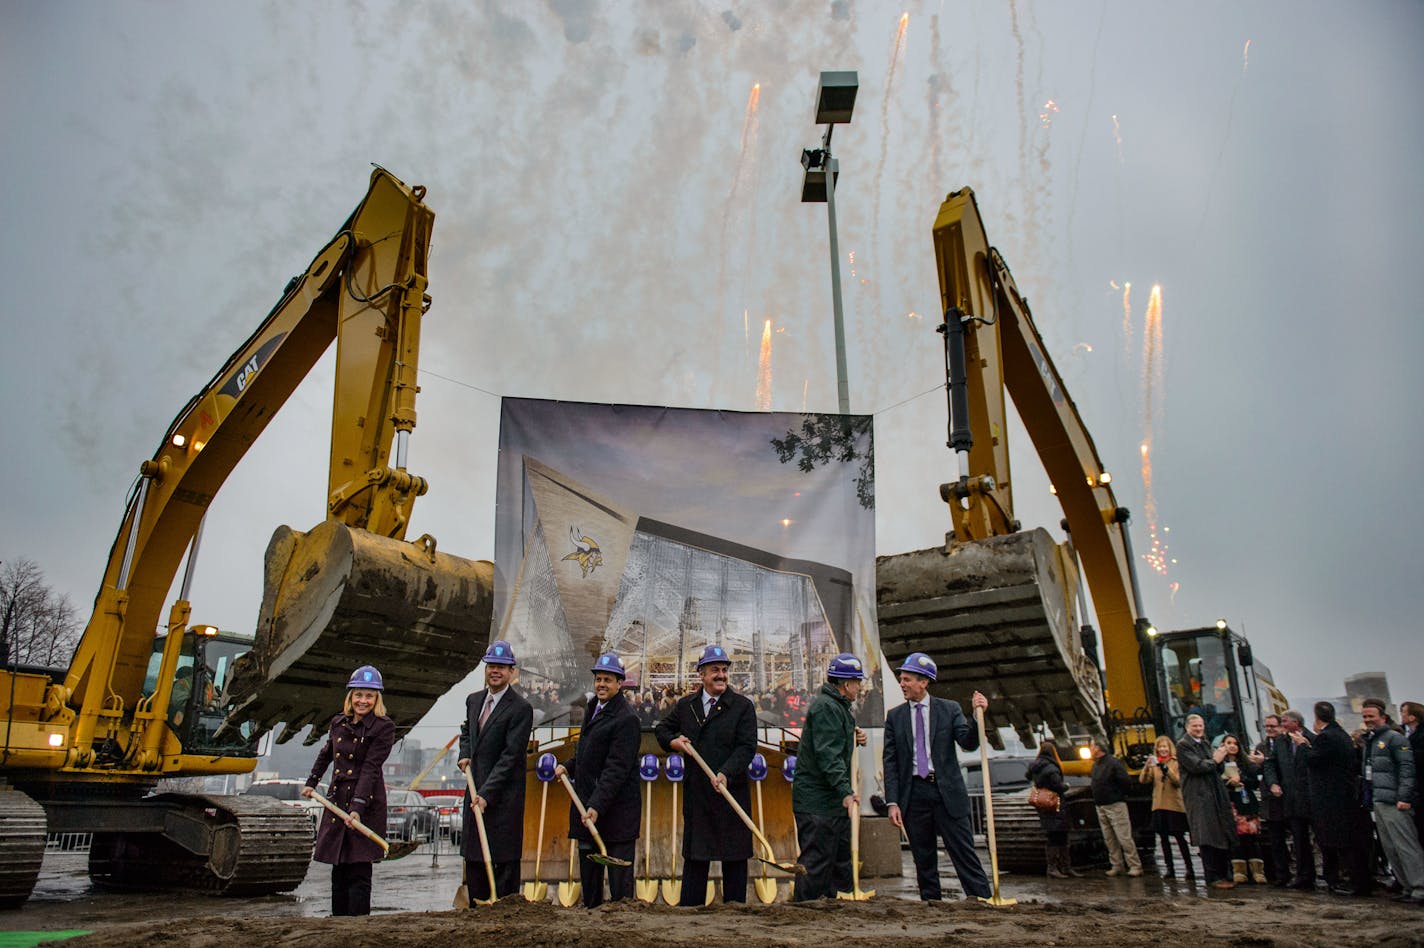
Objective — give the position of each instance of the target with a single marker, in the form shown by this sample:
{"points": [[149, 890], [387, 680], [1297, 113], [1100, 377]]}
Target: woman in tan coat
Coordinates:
{"points": [[1169, 814]]}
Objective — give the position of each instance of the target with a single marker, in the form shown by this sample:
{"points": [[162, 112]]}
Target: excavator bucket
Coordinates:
{"points": [[337, 598], [997, 615]]}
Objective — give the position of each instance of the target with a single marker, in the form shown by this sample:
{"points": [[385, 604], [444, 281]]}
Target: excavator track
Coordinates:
{"points": [[258, 847], [1020, 838], [22, 844]]}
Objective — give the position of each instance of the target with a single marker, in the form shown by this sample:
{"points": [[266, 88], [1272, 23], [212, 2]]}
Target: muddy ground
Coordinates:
{"points": [[412, 896]]}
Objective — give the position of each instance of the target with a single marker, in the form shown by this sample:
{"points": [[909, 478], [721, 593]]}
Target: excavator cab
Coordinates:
{"points": [[1208, 671], [199, 702]]}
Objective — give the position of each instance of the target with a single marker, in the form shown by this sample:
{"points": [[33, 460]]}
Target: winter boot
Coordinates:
{"points": [[1169, 871], [1054, 855], [1238, 871], [1258, 871]]}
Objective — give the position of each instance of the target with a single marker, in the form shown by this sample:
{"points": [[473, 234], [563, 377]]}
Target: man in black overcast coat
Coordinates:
{"points": [[721, 725], [604, 769]]}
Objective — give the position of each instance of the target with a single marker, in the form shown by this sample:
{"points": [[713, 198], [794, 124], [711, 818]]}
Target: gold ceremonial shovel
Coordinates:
{"points": [[393, 851]]}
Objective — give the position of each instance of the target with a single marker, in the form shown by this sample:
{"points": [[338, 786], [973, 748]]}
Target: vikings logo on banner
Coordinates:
{"points": [[653, 533]]}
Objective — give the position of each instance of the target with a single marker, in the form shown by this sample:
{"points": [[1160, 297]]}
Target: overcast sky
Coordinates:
{"points": [[615, 221]]}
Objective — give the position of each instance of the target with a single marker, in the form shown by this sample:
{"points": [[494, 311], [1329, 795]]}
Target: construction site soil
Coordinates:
{"points": [[883, 921], [412, 895]]}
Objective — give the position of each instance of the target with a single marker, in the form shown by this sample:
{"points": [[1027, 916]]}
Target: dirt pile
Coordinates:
{"points": [[1284, 921]]}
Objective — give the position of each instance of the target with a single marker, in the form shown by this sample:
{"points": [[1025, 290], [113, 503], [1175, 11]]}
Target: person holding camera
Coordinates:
{"points": [[1169, 814]]}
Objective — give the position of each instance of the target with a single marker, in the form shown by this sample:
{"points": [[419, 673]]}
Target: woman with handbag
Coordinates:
{"points": [[1046, 795], [1242, 776], [1169, 813]]}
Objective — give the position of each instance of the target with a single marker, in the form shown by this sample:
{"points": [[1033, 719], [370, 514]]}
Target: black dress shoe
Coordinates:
{"points": [[1342, 890], [1303, 885]]}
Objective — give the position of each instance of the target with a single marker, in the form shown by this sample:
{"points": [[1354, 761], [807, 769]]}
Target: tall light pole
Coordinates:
{"points": [[835, 99]]}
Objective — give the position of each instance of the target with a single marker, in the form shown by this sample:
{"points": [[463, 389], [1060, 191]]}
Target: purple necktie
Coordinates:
{"points": [[922, 751]]}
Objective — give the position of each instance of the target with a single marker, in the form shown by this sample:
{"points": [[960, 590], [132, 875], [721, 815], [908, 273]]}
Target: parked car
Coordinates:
{"points": [[410, 816], [452, 817], [290, 793]]}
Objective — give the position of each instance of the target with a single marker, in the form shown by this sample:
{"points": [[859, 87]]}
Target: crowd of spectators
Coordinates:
{"points": [[1306, 807]]}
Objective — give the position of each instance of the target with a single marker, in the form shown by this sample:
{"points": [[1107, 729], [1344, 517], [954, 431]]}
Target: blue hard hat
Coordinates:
{"points": [[610, 663], [499, 653], [918, 663], [544, 770], [713, 654], [757, 768], [648, 767], [788, 768], [366, 677], [675, 767], [845, 665]]}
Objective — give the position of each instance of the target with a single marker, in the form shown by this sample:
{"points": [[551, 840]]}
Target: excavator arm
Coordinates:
{"points": [[1002, 603], [366, 290]]}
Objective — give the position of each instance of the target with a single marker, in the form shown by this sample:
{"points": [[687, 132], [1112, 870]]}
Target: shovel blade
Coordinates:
{"points": [[401, 849], [711, 892], [998, 901], [609, 860], [570, 893], [672, 892], [646, 890], [462, 897], [536, 891], [859, 895], [765, 890]]}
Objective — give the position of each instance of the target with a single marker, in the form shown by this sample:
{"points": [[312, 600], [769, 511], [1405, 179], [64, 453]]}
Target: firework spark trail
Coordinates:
{"points": [[763, 394], [1117, 139], [1127, 319], [896, 53], [1153, 378], [1246, 56], [805, 387], [1083, 138], [749, 131], [1220, 154]]}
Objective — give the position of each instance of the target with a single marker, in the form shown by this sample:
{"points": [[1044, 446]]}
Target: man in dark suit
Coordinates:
{"points": [[923, 785], [1341, 824], [494, 739], [605, 774], [721, 726], [1276, 749], [1292, 779]]}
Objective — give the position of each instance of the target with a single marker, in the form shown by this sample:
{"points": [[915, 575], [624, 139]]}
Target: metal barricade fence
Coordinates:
{"points": [[68, 842]]}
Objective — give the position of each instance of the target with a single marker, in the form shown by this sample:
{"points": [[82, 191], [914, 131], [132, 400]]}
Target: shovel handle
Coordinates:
{"points": [[583, 814], [727, 795], [480, 827], [988, 799], [360, 827]]}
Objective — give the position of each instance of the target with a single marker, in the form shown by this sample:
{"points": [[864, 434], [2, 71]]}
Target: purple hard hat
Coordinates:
{"points": [[610, 663], [499, 653], [788, 768], [675, 767], [366, 677], [544, 770], [649, 766], [918, 663], [846, 665], [757, 768], [713, 654]]}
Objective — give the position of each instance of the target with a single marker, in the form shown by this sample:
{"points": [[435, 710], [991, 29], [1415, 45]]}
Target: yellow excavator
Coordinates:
{"points": [[1002, 609], [148, 697]]}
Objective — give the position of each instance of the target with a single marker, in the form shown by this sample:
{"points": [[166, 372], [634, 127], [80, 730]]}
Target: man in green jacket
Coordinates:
{"points": [[822, 794]]}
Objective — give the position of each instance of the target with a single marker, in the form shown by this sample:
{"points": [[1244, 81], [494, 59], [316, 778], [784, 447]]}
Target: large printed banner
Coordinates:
{"points": [[654, 532]]}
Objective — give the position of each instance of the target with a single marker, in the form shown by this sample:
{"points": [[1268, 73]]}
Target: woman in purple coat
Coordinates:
{"points": [[358, 743]]}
